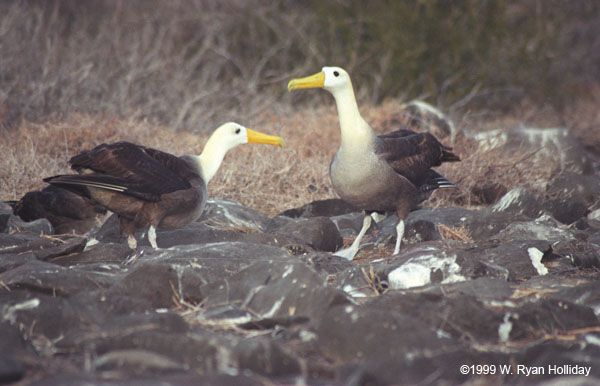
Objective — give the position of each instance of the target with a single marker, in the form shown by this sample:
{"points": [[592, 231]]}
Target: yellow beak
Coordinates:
{"points": [[313, 81], [256, 137]]}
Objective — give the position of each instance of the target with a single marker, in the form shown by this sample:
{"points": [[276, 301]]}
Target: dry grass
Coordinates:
{"points": [[264, 177], [272, 179]]}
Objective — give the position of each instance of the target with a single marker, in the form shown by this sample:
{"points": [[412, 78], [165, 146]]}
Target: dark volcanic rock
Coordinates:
{"points": [[179, 272], [575, 187], [39, 226], [437, 262], [325, 264], [583, 253], [352, 333], [557, 143], [318, 232], [70, 246], [242, 299], [289, 291], [322, 208], [199, 233], [12, 346], [543, 228], [52, 279], [160, 292], [230, 214], [24, 242], [11, 370], [480, 225], [95, 253], [521, 201], [525, 202], [5, 213]]}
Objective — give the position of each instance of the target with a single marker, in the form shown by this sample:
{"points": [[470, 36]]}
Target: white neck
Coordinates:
{"points": [[355, 131], [211, 158]]}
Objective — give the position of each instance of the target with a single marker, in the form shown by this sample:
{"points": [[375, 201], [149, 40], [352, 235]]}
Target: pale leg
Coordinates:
{"points": [[152, 237], [350, 252], [133, 245], [132, 242], [399, 235], [377, 217]]}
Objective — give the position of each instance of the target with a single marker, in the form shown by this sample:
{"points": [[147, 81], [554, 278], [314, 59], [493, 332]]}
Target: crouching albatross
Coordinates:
{"points": [[146, 187], [390, 172]]}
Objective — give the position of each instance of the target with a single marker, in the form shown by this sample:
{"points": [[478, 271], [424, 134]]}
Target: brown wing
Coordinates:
{"points": [[413, 154], [130, 169]]}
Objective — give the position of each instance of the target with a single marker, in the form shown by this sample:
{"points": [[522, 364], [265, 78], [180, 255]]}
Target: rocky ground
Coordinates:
{"points": [[504, 293]]}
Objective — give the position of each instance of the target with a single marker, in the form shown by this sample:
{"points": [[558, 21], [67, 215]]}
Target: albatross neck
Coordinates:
{"points": [[355, 131], [211, 158]]}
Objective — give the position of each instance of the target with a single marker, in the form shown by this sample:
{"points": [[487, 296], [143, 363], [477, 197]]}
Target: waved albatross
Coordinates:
{"points": [[67, 211], [390, 172], [146, 187]]}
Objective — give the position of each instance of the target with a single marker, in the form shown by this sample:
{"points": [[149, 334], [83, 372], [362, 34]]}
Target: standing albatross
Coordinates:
{"points": [[146, 187], [390, 172]]}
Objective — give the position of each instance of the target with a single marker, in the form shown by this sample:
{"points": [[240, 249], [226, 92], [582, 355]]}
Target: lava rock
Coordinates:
{"points": [[356, 333], [230, 214], [543, 228], [24, 242], [557, 143], [52, 279], [321, 208], [575, 187], [243, 299], [318, 232], [199, 233], [11, 370], [280, 292]]}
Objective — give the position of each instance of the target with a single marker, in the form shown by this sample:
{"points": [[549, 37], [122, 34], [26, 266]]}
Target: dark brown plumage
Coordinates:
{"points": [[146, 187], [67, 211]]}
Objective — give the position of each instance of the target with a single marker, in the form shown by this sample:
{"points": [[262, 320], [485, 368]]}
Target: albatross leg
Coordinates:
{"points": [[133, 245], [399, 234], [132, 242], [152, 236], [350, 252]]}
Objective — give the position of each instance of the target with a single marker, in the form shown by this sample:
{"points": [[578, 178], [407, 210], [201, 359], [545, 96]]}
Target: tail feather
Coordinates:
{"points": [[443, 183], [435, 181], [75, 180]]}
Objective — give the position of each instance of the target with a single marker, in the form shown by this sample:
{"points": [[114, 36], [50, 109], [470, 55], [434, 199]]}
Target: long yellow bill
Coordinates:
{"points": [[256, 137], [313, 81]]}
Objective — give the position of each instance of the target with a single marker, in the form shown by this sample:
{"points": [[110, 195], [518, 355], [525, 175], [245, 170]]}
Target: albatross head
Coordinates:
{"points": [[231, 134], [332, 79], [226, 137]]}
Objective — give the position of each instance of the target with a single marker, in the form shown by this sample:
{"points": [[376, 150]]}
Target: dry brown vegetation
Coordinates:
{"points": [[272, 179]]}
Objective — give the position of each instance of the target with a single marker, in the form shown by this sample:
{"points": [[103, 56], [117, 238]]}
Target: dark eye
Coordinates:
{"points": [[335, 73], [237, 131]]}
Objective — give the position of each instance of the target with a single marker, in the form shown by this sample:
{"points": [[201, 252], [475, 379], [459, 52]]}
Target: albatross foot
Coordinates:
{"points": [[347, 253], [133, 258]]}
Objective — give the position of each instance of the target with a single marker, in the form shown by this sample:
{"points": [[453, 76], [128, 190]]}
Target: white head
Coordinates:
{"points": [[336, 78], [231, 134], [332, 79], [226, 137]]}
